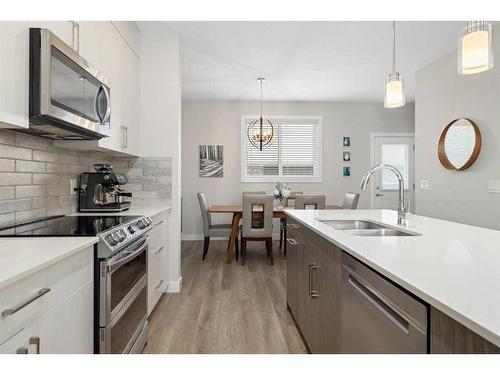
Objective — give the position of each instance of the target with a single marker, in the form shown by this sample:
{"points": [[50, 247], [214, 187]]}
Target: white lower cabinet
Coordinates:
{"points": [[65, 329], [50, 311], [157, 260]]}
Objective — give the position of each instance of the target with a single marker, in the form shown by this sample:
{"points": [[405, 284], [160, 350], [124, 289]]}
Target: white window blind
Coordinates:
{"points": [[293, 155]]}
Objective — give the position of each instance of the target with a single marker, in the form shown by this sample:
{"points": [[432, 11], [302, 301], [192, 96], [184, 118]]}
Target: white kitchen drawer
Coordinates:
{"points": [[67, 328], [157, 270], [62, 278]]}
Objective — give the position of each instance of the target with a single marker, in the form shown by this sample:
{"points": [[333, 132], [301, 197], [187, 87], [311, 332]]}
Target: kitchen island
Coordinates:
{"points": [[451, 268]]}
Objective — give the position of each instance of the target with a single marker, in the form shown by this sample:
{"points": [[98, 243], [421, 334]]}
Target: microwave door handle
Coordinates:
{"points": [[114, 265], [96, 104], [108, 104]]}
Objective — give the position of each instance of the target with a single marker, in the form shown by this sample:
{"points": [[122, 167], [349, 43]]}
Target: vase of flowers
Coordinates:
{"points": [[280, 193]]}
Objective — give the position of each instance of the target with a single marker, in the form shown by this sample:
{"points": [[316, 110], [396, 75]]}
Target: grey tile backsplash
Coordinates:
{"points": [[35, 177]]}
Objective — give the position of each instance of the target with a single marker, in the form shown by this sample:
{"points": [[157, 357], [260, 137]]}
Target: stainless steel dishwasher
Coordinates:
{"points": [[377, 316]]}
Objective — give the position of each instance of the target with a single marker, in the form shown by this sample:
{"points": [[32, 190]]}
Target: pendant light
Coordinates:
{"points": [[475, 51], [260, 132], [394, 89]]}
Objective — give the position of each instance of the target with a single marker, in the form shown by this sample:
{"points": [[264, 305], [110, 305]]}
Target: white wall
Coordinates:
{"points": [[218, 122], [161, 122], [441, 96]]}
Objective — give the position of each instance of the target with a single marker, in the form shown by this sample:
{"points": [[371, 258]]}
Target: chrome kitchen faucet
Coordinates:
{"points": [[402, 209]]}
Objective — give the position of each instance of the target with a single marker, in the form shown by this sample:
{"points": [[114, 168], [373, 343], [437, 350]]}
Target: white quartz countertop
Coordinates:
{"points": [[20, 257], [453, 267], [133, 210]]}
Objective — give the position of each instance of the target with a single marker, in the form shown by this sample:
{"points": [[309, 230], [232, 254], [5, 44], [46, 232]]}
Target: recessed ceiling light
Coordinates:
{"points": [[317, 69]]}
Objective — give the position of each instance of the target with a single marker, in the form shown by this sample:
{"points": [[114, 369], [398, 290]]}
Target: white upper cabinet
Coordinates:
{"points": [[14, 68], [102, 44], [111, 48]]}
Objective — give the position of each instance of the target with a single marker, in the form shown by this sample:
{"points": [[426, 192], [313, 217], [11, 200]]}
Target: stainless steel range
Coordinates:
{"points": [[120, 297]]}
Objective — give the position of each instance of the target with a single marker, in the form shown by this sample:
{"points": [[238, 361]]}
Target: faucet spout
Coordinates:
{"points": [[402, 209]]}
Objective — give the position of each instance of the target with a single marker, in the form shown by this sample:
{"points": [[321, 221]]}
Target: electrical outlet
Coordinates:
{"points": [[72, 186], [424, 184], [494, 186]]}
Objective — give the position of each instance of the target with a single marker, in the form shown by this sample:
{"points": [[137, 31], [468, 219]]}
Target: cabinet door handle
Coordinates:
{"points": [[312, 293], [159, 284], [25, 303], [159, 250], [159, 223], [35, 340], [292, 241], [292, 225]]}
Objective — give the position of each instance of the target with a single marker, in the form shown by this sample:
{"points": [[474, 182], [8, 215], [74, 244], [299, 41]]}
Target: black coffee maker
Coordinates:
{"points": [[101, 191]]}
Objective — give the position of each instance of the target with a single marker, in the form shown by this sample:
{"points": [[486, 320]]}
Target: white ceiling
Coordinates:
{"points": [[311, 61]]}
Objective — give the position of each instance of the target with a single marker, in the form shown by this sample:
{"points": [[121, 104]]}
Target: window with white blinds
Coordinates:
{"points": [[293, 155]]}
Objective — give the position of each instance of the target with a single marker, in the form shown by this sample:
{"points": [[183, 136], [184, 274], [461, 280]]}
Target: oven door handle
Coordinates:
{"points": [[113, 265]]}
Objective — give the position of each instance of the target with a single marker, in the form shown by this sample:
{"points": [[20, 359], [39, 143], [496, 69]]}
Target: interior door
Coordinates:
{"points": [[398, 151]]}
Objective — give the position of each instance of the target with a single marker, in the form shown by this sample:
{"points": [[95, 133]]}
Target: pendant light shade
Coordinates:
{"points": [[394, 89], [475, 51], [260, 132]]}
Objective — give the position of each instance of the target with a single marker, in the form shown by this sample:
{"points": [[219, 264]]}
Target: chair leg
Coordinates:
{"points": [[267, 248], [243, 250], [205, 247], [270, 246], [237, 248], [281, 234]]}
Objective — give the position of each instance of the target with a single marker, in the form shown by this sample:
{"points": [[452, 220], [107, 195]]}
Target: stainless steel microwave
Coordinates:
{"points": [[69, 99]]}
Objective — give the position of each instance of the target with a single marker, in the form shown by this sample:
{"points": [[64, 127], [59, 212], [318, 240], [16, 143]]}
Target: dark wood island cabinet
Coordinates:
{"points": [[314, 298]]}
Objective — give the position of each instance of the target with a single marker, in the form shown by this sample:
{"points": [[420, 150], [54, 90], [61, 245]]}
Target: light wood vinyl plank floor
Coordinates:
{"points": [[226, 308]]}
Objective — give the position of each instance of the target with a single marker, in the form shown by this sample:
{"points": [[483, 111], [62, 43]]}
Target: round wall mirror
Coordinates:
{"points": [[459, 144]]}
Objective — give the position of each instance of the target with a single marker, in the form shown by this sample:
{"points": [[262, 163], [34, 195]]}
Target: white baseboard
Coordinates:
{"points": [[174, 286], [200, 237]]}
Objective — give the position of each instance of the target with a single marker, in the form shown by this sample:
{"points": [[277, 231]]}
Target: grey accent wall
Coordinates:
{"points": [[35, 177], [218, 123], [441, 96]]}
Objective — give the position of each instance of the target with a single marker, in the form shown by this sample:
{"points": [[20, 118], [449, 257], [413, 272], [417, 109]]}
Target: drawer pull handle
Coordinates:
{"points": [[291, 225], [22, 350], [35, 340], [292, 241], [159, 284], [159, 250], [159, 223], [25, 303]]}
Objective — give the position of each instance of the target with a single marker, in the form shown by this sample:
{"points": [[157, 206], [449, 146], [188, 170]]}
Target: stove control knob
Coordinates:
{"points": [[132, 229], [148, 221], [116, 237], [122, 234], [111, 240], [141, 224]]}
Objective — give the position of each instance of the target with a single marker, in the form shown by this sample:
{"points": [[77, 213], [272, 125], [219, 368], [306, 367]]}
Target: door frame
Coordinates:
{"points": [[374, 135]]}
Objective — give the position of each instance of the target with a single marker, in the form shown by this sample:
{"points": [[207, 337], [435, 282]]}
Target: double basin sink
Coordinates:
{"points": [[366, 228]]}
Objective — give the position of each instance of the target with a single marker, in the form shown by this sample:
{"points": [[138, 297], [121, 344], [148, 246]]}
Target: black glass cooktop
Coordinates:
{"points": [[64, 226]]}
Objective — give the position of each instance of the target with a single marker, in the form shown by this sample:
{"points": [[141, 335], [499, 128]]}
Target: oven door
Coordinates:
{"points": [[121, 278], [127, 332], [66, 90]]}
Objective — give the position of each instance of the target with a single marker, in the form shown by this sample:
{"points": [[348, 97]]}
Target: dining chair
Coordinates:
{"points": [[212, 230], [257, 218], [317, 201], [292, 196], [250, 231], [350, 201]]}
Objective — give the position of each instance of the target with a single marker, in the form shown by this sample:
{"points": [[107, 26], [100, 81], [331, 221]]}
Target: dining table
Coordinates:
{"points": [[237, 212]]}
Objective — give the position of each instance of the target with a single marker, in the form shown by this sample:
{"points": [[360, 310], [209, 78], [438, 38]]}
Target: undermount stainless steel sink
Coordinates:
{"points": [[352, 224], [366, 228], [381, 232]]}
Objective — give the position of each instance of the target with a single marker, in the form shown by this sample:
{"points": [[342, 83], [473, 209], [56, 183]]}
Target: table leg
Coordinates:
{"points": [[234, 236]]}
